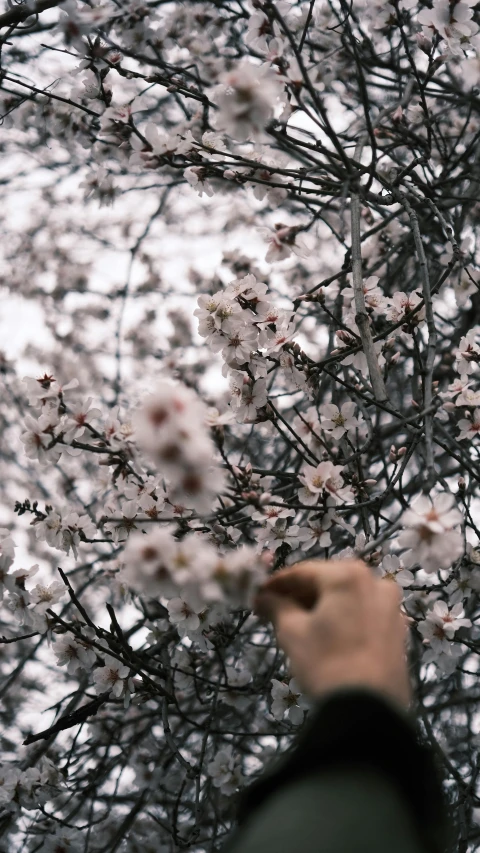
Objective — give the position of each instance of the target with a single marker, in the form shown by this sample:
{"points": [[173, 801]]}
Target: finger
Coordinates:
{"points": [[276, 608], [306, 581], [391, 596], [296, 583]]}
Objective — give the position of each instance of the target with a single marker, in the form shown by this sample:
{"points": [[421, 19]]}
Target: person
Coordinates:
{"points": [[358, 779]]}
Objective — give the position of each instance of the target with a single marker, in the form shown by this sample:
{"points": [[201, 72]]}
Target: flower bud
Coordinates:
{"points": [[346, 337], [424, 43]]}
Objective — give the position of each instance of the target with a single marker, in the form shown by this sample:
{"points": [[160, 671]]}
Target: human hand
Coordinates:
{"points": [[339, 626]]}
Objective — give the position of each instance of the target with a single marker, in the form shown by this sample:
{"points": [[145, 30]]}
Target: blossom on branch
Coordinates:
{"points": [[430, 533]]}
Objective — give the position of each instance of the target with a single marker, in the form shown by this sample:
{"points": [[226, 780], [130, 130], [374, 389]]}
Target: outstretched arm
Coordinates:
{"points": [[357, 780]]}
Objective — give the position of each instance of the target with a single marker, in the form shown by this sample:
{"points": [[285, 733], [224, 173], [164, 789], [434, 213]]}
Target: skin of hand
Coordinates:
{"points": [[339, 626]]}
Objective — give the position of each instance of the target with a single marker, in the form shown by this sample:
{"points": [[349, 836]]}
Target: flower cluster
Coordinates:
{"points": [[430, 533], [170, 427], [191, 572], [246, 97]]}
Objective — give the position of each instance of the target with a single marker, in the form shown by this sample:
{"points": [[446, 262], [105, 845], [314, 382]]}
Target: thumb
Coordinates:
{"points": [[279, 609]]}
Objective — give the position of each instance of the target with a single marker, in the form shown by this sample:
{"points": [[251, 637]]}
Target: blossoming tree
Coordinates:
{"points": [[247, 234]]}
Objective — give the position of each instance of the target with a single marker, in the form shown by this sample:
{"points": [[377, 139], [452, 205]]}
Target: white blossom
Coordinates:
{"points": [[469, 427], [73, 653], [441, 624], [246, 98], [430, 533], [287, 698], [337, 421], [323, 480], [112, 677], [225, 771]]}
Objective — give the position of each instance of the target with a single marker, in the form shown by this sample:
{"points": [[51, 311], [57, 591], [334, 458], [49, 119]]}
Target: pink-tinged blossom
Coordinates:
{"points": [[469, 427], [123, 521], [275, 195], [239, 344], [321, 481], [449, 19], [292, 373], [429, 533], [357, 359], [117, 434], [337, 421], [467, 356], [149, 563], [184, 612], [391, 569], [235, 577], [468, 397], [225, 771], [248, 287], [251, 398], [458, 387], [383, 16], [80, 415], [270, 512], [17, 579], [43, 597], [283, 241], [228, 314], [464, 583], [198, 179], [74, 654], [268, 314], [246, 98], [214, 418], [162, 145], [401, 304], [158, 565], [49, 528], [37, 438], [112, 676], [278, 534], [374, 297], [288, 699], [115, 118], [307, 427], [283, 334], [317, 533], [170, 427], [46, 389], [98, 184], [18, 603], [441, 624]]}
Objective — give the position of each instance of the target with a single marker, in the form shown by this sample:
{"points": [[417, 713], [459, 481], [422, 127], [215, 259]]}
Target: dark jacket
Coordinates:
{"points": [[357, 780]]}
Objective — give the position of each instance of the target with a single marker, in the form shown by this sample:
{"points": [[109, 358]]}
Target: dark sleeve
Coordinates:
{"points": [[357, 780]]}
